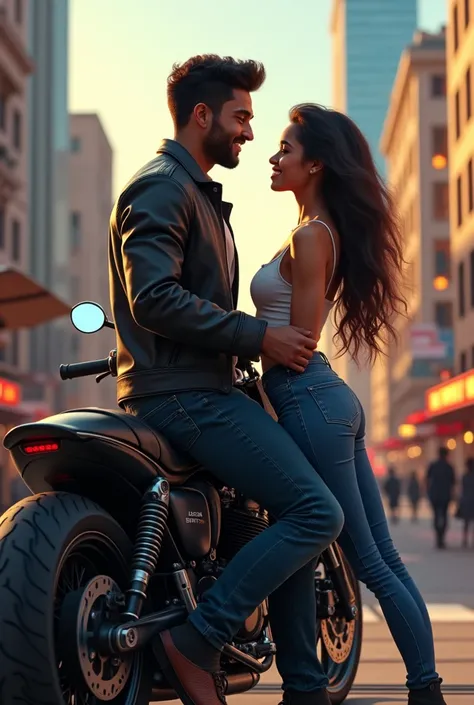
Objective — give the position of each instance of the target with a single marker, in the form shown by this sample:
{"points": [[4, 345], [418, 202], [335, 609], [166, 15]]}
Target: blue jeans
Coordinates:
{"points": [[238, 442], [326, 420]]}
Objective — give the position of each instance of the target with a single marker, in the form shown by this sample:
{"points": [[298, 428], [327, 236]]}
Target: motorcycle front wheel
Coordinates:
{"points": [[60, 557], [340, 643]]}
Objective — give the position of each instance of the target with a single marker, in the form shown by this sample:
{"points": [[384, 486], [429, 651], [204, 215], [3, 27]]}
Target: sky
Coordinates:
{"points": [[122, 52]]}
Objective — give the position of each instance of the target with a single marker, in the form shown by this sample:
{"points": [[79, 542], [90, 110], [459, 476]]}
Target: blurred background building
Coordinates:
{"points": [[451, 402], [55, 201], [415, 144], [48, 122], [90, 203], [15, 67], [368, 37]]}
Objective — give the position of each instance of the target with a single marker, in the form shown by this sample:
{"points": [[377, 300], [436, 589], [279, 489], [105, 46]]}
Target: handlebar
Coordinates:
{"points": [[84, 369]]}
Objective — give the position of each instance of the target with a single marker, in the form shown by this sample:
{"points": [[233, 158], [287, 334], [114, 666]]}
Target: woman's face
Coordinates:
{"points": [[291, 172]]}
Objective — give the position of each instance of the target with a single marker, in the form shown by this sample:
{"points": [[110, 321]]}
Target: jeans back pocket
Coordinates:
{"points": [[170, 418], [336, 402]]}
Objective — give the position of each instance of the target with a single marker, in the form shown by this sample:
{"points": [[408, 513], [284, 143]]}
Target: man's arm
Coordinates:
{"points": [[154, 220]]}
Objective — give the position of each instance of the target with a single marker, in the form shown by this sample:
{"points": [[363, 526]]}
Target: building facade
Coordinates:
{"points": [[451, 401], [90, 203], [368, 37], [15, 68], [414, 143], [48, 189]]}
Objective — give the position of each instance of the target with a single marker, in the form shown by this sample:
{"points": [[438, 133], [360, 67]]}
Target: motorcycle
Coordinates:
{"points": [[119, 541]]}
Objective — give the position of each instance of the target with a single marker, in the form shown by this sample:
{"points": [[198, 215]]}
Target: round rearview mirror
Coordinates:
{"points": [[88, 317]]}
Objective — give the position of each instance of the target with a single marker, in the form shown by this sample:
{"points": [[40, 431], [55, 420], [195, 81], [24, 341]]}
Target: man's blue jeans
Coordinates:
{"points": [[236, 440]]}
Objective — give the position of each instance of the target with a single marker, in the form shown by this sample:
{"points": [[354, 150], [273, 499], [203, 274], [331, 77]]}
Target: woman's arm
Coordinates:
{"points": [[311, 250]]}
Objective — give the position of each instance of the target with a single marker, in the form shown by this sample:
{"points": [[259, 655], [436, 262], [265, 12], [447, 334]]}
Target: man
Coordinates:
{"points": [[174, 284], [440, 482]]}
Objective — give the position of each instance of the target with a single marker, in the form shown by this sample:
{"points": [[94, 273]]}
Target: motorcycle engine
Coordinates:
{"points": [[242, 520]]}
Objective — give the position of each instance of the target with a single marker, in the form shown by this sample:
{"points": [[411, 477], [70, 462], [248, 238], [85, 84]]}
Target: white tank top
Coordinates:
{"points": [[271, 293]]}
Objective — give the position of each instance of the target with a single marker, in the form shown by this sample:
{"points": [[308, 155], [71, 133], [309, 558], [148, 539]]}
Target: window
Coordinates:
{"points": [[2, 229], [15, 348], [458, 114], [463, 362], [75, 144], [444, 314], [459, 199], [441, 200], [17, 129], [3, 112], [439, 141], [470, 186], [442, 258], [461, 300], [16, 241], [466, 12], [438, 86], [19, 11], [471, 267], [75, 231], [468, 95], [455, 28]]}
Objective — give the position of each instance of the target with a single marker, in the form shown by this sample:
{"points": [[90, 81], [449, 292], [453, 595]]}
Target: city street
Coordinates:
{"points": [[447, 582]]}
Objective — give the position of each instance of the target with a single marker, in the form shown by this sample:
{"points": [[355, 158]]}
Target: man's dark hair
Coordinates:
{"points": [[443, 452], [209, 79]]}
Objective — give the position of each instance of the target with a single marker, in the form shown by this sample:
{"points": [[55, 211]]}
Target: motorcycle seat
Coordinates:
{"points": [[119, 426]]}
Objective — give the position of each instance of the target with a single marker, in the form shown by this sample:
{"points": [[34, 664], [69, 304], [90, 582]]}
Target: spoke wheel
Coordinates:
{"points": [[60, 556], [340, 642]]}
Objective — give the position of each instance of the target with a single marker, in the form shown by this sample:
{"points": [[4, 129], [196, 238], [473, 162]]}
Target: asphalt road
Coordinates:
{"points": [[446, 580]]}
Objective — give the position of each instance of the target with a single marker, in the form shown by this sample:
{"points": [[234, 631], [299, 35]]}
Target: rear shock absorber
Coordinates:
{"points": [[151, 529]]}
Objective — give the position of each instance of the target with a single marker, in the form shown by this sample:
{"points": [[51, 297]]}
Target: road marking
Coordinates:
{"points": [[439, 612]]}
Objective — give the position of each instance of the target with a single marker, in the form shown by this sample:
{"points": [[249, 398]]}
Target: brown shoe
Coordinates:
{"points": [[193, 685]]}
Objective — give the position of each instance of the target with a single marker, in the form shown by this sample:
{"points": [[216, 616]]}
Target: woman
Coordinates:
{"points": [[466, 502], [344, 254]]}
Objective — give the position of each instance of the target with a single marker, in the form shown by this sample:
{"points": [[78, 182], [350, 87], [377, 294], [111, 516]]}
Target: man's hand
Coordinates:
{"points": [[289, 346]]}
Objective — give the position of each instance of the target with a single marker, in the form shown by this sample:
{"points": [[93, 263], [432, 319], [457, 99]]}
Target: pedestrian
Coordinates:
{"points": [[414, 494], [440, 482], [393, 488], [466, 502], [345, 254]]}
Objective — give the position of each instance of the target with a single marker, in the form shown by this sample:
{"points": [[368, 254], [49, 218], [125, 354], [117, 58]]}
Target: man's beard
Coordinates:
{"points": [[218, 147]]}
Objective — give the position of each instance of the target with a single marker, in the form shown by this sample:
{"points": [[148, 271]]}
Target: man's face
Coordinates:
{"points": [[230, 130]]}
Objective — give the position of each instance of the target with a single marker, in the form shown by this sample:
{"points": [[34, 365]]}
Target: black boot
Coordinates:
{"points": [[430, 695], [318, 697]]}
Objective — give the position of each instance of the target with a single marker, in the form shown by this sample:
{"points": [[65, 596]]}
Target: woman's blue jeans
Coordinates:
{"points": [[326, 420]]}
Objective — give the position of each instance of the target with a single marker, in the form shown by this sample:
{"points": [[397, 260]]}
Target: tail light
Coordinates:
{"points": [[37, 447]]}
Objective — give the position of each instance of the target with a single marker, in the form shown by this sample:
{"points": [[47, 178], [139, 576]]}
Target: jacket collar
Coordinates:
{"points": [[182, 156]]}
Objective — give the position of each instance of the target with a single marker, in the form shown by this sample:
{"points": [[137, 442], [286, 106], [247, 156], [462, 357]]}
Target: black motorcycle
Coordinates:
{"points": [[120, 540]]}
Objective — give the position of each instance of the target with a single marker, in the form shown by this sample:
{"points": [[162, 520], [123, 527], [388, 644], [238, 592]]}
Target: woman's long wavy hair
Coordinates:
{"points": [[360, 205]]}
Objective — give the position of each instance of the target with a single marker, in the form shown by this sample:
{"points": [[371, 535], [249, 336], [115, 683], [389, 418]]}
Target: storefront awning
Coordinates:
{"points": [[24, 302]]}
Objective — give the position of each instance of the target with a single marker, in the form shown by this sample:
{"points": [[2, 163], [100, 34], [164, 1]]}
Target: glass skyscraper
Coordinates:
{"points": [[368, 39]]}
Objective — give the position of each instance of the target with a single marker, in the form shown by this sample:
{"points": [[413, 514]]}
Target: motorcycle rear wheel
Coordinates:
{"points": [[51, 546]]}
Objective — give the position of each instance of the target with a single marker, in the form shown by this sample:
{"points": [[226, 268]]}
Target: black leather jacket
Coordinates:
{"points": [[172, 301]]}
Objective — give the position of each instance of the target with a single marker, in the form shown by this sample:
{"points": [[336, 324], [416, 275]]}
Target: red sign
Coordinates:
{"points": [[10, 393], [456, 393]]}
